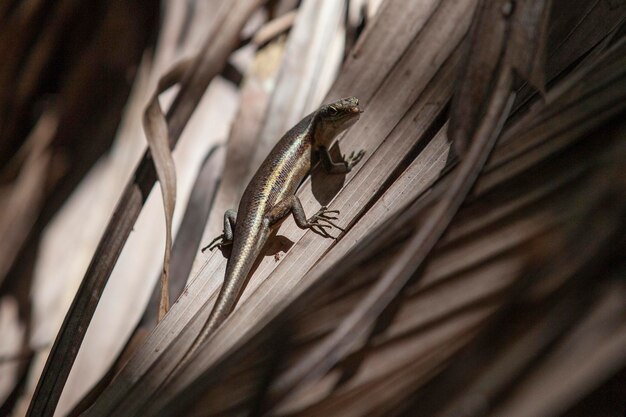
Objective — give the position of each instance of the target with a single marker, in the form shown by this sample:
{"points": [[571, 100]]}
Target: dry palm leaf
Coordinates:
{"points": [[49, 74], [441, 297], [294, 93], [480, 130], [200, 201], [210, 62], [606, 107], [414, 66], [519, 160], [156, 128], [129, 376], [551, 297], [45, 73], [189, 235]]}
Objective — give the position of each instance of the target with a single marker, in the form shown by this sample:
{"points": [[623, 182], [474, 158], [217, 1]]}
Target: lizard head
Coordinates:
{"points": [[336, 117]]}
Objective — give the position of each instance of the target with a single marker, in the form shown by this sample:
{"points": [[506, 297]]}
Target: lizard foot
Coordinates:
{"points": [[322, 220], [353, 159]]}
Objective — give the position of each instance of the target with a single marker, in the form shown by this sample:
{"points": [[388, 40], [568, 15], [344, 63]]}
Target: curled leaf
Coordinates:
{"points": [[157, 135]]}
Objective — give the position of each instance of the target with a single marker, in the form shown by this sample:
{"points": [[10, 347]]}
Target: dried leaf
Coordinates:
{"points": [[500, 314], [361, 320], [210, 61], [172, 342], [506, 36], [156, 130], [553, 294], [516, 151], [188, 237], [156, 134]]}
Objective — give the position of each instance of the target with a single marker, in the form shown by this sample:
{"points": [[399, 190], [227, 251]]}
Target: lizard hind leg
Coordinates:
{"points": [[318, 223], [226, 238]]}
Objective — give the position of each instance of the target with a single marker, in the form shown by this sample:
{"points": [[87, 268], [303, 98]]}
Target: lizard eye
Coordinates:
{"points": [[332, 111]]}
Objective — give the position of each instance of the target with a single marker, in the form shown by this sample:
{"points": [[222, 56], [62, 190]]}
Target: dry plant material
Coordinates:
{"points": [[507, 38], [45, 73], [482, 138], [124, 300], [188, 238], [514, 157], [155, 126], [185, 245], [605, 107], [304, 255], [211, 60], [476, 267], [553, 295], [60, 62]]}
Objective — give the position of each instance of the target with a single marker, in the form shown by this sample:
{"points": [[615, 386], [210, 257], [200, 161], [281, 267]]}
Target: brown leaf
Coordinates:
{"points": [[156, 130], [210, 61], [537, 139], [418, 280], [386, 131], [506, 36], [187, 240], [361, 320]]}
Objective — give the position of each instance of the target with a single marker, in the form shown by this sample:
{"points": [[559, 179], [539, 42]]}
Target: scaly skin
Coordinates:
{"points": [[270, 197]]}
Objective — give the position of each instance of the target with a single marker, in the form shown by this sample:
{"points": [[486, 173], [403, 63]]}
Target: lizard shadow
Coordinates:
{"points": [[325, 186], [274, 245]]}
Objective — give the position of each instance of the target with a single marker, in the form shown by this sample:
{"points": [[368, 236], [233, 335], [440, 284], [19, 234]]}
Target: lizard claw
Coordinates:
{"points": [[353, 159], [328, 220], [324, 219], [319, 229], [326, 214]]}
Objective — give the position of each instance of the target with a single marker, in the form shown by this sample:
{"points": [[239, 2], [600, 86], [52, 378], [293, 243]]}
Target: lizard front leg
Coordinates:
{"points": [[226, 238], [318, 222], [342, 167]]}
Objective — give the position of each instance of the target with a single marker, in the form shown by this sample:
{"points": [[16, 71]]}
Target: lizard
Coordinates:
{"points": [[270, 197]]}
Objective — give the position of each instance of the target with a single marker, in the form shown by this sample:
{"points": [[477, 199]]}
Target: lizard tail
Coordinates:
{"points": [[236, 275], [244, 253], [237, 270]]}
